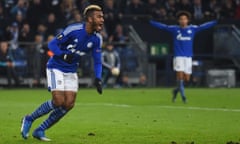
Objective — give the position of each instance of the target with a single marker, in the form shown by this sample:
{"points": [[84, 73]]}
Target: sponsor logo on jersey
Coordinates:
{"points": [[182, 38]]}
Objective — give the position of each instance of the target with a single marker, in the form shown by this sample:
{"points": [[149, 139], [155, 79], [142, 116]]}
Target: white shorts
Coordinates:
{"points": [[60, 81], [183, 64]]}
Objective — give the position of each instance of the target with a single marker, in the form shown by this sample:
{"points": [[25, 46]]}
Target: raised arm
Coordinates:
{"points": [[161, 26], [206, 25]]}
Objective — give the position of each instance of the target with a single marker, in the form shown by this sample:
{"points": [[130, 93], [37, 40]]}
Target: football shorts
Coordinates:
{"points": [[60, 81], [182, 64]]}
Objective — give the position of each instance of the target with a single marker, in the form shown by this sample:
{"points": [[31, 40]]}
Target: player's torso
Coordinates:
{"points": [[183, 41], [80, 44]]}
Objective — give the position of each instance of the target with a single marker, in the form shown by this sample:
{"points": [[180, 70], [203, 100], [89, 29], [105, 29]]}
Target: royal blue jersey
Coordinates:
{"points": [[75, 40], [183, 37]]}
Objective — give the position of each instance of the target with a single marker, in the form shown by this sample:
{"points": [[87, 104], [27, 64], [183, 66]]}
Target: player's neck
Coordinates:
{"points": [[89, 29], [183, 26]]}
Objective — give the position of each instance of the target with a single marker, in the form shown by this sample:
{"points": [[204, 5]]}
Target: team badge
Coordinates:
{"points": [[189, 31], [76, 40], [89, 45]]}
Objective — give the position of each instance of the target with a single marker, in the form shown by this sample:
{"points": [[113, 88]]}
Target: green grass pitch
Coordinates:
{"points": [[129, 116]]}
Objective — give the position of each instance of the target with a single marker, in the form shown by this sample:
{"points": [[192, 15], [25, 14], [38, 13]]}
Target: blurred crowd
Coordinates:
{"points": [[24, 22]]}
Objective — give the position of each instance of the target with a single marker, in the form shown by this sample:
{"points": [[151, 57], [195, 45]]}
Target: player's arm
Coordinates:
{"points": [[97, 60], [206, 25], [53, 45], [161, 26]]}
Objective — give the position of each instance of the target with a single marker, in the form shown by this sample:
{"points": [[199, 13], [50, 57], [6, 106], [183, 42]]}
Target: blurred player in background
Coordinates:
{"points": [[183, 48], [111, 64], [74, 41]]}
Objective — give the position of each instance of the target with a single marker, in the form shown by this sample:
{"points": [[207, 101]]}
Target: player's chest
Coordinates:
{"points": [[185, 32], [83, 43]]}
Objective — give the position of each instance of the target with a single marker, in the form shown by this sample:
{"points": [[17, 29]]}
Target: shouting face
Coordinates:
{"points": [[96, 21]]}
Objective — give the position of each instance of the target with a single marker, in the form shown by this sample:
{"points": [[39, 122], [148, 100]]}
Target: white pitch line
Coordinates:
{"points": [[200, 108], [163, 107], [104, 104]]}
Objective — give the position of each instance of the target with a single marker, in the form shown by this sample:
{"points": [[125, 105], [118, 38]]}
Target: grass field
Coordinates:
{"points": [[129, 116]]}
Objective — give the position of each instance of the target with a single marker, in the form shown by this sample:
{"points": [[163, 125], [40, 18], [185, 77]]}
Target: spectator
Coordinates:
{"points": [[3, 22], [25, 34], [76, 18], [161, 13], [35, 14], [42, 30], [81, 4], [52, 6], [21, 6], [6, 64], [13, 32], [110, 61], [185, 5], [213, 9], [8, 5], [34, 59], [228, 9], [198, 10], [110, 16], [152, 8], [119, 36], [136, 7], [51, 24], [237, 13], [67, 7], [19, 19], [171, 8]]}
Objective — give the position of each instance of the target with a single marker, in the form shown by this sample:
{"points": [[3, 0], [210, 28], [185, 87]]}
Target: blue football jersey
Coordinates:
{"points": [[75, 40], [183, 37]]}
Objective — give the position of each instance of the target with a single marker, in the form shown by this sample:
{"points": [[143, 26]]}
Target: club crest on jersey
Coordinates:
{"points": [[60, 36], [76, 40], [89, 45], [189, 31]]}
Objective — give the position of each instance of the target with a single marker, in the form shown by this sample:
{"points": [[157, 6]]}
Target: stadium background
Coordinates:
{"points": [[146, 53]]}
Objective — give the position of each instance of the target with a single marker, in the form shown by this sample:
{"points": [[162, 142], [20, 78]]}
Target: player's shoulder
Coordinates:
{"points": [[98, 38], [98, 35], [73, 27], [173, 26], [192, 26]]}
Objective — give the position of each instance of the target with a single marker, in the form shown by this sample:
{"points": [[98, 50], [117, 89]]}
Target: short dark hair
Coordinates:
{"points": [[183, 13], [88, 11]]}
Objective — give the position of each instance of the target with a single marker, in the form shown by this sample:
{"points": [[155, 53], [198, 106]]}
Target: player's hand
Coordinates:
{"points": [[67, 58], [98, 84]]}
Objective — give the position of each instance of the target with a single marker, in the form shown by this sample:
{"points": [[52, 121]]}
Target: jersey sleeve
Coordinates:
{"points": [[97, 55], [162, 26], [205, 26], [61, 38]]}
